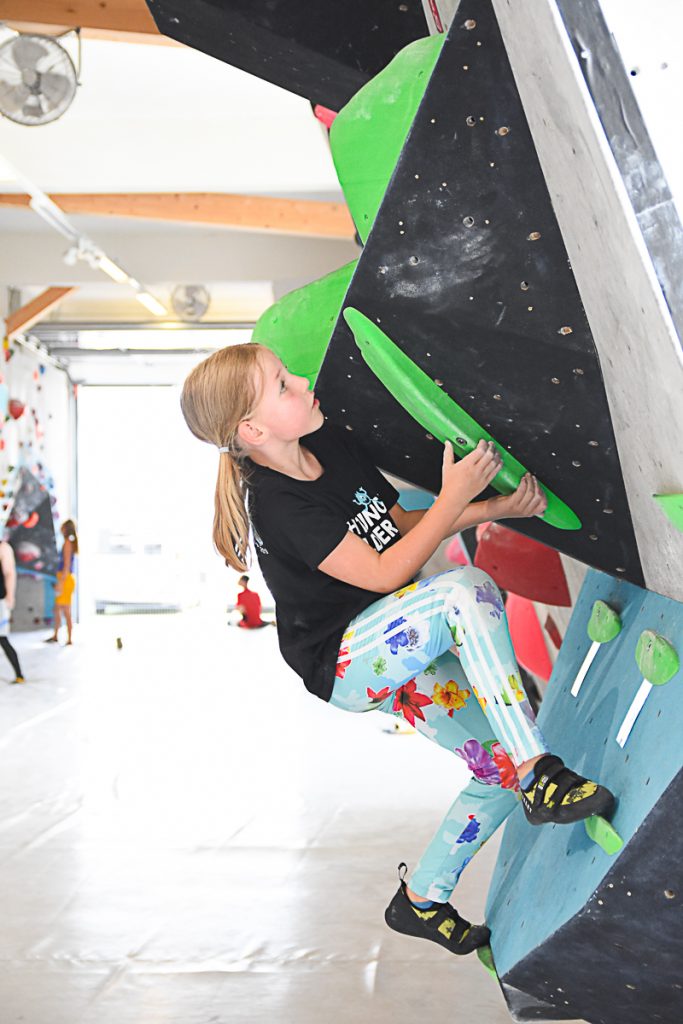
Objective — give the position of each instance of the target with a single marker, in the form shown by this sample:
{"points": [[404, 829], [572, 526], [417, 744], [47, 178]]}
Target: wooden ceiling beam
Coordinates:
{"points": [[121, 20], [252, 213], [25, 317]]}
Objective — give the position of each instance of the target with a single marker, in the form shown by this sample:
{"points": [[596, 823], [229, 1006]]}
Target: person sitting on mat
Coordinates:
{"points": [[339, 554], [249, 605]]}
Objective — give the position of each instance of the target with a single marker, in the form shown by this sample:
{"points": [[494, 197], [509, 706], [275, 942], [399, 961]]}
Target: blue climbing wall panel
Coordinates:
{"points": [[577, 933]]}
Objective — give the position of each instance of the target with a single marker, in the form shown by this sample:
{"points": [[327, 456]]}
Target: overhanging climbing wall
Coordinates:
{"points": [[466, 271], [324, 51]]}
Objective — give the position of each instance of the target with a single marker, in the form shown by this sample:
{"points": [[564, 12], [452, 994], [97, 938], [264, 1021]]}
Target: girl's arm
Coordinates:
{"points": [[353, 561], [527, 500]]}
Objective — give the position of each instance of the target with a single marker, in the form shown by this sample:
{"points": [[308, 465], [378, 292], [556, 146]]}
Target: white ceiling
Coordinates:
{"points": [[164, 118]]}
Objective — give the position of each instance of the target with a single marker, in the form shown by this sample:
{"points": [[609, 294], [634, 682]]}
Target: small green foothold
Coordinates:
{"points": [[604, 834], [486, 957], [672, 506], [656, 658], [604, 623]]}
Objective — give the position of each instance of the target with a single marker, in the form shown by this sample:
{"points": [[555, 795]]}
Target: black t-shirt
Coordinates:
{"points": [[296, 525]]}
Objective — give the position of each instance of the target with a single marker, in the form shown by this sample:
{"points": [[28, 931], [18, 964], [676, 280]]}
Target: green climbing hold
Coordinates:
{"points": [[486, 957], [425, 401], [299, 326], [604, 834], [368, 134], [604, 624], [672, 506], [656, 658]]}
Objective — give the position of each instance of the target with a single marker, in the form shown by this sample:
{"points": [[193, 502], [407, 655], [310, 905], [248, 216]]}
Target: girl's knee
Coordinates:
{"points": [[475, 587]]}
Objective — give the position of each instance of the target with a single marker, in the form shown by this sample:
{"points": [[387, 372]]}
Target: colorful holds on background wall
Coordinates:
{"points": [[27, 552], [16, 408]]}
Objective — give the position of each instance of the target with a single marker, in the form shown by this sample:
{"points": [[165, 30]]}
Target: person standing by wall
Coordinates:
{"points": [[66, 582], [8, 585]]}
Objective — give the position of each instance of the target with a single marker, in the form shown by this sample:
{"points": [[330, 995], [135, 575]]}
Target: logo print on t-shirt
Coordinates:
{"points": [[368, 524], [258, 542]]}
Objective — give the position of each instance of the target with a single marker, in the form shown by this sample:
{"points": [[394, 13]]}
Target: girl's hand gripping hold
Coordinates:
{"points": [[463, 480], [528, 500]]}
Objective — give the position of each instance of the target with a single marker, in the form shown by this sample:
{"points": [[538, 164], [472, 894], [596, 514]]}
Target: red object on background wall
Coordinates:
{"points": [[522, 566], [16, 408], [527, 637]]}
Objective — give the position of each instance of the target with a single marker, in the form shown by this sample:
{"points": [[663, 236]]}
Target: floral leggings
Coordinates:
{"points": [[397, 656]]}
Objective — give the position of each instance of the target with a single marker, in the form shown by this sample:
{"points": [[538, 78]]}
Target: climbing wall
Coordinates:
{"points": [[324, 51], [579, 934], [466, 271], [36, 474]]}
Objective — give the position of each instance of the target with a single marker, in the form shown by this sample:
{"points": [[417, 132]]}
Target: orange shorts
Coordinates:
{"points": [[65, 589]]}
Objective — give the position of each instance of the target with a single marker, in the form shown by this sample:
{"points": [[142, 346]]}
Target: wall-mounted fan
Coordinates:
{"points": [[190, 301], [38, 79]]}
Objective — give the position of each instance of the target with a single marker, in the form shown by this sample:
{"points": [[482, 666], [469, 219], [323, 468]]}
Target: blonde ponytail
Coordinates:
{"points": [[230, 518], [218, 394]]}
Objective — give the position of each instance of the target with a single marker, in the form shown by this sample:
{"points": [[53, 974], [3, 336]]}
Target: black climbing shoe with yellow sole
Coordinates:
{"points": [[560, 796], [439, 923]]}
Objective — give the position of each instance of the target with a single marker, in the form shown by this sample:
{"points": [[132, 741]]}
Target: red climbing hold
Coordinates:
{"points": [[16, 408], [527, 637], [522, 565], [324, 115]]}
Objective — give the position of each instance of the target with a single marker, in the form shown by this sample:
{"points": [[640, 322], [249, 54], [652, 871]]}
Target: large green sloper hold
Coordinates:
{"points": [[439, 414], [368, 134], [298, 327]]}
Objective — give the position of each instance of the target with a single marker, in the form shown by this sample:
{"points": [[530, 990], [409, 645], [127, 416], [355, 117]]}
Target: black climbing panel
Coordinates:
{"points": [[324, 50], [465, 269]]}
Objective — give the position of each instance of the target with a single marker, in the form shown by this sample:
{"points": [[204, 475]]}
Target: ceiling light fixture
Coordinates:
{"points": [[150, 303], [82, 247]]}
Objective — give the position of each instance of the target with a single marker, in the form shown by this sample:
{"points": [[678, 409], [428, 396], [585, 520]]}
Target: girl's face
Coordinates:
{"points": [[287, 408]]}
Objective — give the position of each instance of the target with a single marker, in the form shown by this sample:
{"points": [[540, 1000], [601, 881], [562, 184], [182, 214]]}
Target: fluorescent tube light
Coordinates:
{"points": [[150, 303], [112, 270]]}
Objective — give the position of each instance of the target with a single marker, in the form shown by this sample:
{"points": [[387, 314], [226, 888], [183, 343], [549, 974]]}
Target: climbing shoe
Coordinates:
{"points": [[439, 923], [559, 795]]}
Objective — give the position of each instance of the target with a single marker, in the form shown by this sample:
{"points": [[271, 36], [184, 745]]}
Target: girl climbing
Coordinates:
{"points": [[339, 555]]}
